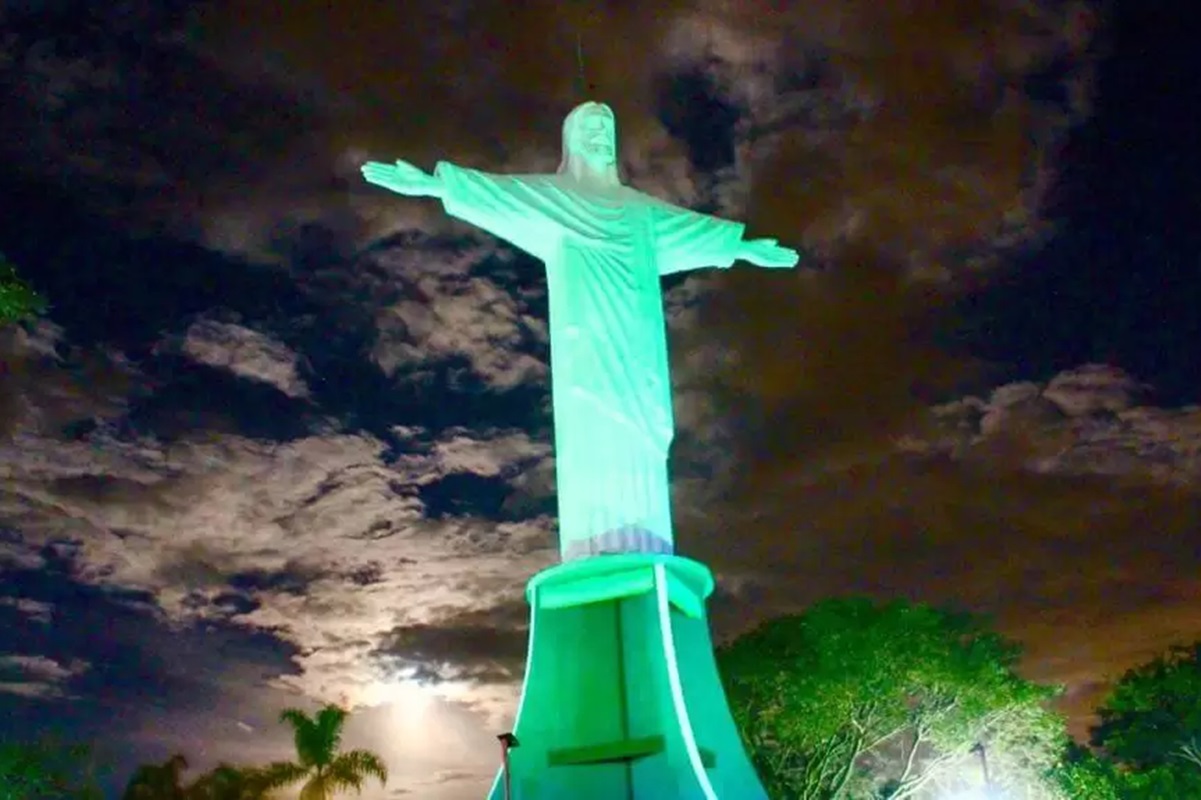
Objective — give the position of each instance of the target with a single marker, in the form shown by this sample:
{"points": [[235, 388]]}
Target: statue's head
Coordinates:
{"points": [[590, 143]]}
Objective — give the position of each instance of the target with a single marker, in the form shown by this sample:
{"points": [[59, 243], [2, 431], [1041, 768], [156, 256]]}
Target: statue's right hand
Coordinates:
{"points": [[402, 178]]}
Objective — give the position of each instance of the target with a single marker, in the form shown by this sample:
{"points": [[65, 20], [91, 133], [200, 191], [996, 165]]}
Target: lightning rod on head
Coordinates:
{"points": [[580, 87], [583, 88]]}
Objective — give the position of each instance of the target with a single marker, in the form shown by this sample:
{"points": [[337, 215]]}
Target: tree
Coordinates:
{"points": [[228, 782], [1150, 725], [158, 781], [1084, 774], [46, 770], [324, 770], [18, 300], [1152, 716], [854, 699], [224, 782]]}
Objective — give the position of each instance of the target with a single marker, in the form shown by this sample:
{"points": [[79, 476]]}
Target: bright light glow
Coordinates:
{"points": [[423, 722], [412, 705], [385, 692], [971, 794]]}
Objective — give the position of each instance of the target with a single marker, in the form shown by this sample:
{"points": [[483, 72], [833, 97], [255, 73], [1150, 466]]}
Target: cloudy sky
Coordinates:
{"points": [[285, 439]]}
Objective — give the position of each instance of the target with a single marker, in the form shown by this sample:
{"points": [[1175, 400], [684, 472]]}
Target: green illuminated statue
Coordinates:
{"points": [[605, 246], [622, 698]]}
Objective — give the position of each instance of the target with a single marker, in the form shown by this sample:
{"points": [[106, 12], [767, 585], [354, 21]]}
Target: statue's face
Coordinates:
{"points": [[596, 139]]}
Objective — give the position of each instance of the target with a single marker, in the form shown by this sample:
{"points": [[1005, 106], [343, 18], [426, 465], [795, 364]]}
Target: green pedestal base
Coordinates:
{"points": [[622, 699]]}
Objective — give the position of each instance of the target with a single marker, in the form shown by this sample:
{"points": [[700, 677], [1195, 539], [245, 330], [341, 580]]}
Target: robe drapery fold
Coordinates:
{"points": [[604, 251]]}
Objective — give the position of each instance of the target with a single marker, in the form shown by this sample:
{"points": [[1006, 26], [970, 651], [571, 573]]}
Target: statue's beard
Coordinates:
{"points": [[593, 163]]}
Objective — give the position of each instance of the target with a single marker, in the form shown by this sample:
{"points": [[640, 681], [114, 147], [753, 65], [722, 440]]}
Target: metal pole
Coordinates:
{"points": [[507, 742], [508, 773], [978, 749]]}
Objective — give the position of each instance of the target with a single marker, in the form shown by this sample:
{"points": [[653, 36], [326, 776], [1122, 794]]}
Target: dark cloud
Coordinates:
{"points": [[112, 287], [497, 74], [478, 654], [81, 83], [486, 646], [192, 397], [466, 493], [257, 108], [292, 579], [695, 111], [1031, 518], [161, 681]]}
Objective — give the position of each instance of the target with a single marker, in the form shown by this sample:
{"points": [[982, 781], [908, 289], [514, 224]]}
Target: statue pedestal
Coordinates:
{"points": [[622, 699]]}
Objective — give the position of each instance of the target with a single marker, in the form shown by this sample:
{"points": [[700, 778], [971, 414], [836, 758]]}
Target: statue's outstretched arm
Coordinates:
{"points": [[402, 178], [767, 253], [507, 206], [687, 240]]}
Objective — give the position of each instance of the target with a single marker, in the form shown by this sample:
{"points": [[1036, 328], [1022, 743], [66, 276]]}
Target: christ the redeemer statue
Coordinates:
{"points": [[605, 247]]}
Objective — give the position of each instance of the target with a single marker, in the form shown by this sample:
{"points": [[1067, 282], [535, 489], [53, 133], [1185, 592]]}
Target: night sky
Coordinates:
{"points": [[284, 439]]}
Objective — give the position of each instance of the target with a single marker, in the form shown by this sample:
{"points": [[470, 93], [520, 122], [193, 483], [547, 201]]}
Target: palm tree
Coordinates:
{"points": [[158, 781], [319, 764]]}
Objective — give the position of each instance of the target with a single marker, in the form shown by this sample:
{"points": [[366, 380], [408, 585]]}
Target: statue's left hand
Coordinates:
{"points": [[766, 253]]}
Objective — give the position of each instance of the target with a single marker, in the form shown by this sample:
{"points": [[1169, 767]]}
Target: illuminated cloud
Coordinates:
{"points": [[1086, 421], [244, 352], [36, 676], [331, 541], [437, 303], [31, 609]]}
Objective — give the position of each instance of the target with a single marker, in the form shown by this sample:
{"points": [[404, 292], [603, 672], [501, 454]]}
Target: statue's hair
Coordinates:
{"points": [[569, 129]]}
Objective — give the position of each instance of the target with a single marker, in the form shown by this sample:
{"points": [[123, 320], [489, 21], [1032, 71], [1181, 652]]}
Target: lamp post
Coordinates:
{"points": [[978, 749], [507, 742]]}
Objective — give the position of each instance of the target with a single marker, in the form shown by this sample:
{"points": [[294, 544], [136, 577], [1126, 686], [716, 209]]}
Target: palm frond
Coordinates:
{"points": [[328, 723], [323, 769], [359, 764], [279, 774], [294, 717], [307, 736], [1190, 751]]}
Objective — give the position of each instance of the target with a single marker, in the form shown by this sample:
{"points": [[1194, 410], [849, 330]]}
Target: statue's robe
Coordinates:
{"points": [[604, 250]]}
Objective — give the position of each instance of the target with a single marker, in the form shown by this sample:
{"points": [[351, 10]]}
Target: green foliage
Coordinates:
{"points": [[1159, 783], [1150, 727], [1085, 776], [228, 782], [18, 300], [46, 770], [1082, 774], [854, 699], [225, 782], [323, 769], [1152, 717], [158, 781]]}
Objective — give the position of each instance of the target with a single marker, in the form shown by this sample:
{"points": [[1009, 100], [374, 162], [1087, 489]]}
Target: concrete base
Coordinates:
{"points": [[622, 699]]}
